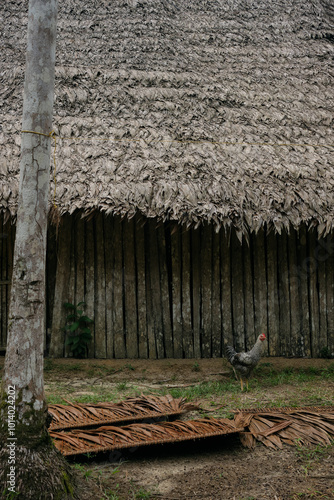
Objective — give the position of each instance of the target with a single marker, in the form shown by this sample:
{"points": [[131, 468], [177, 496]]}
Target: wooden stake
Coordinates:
{"points": [[304, 296], [260, 284], [330, 292], [130, 300], [296, 348], [141, 289], [187, 333], [61, 288], [176, 291], [247, 256], [165, 292], [118, 322], [90, 281], [196, 290], [226, 290], [100, 290], [109, 265], [217, 344], [313, 294], [237, 294], [284, 295], [273, 300]]}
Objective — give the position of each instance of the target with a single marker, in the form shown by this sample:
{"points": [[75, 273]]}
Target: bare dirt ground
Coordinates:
{"points": [[212, 469], [222, 469]]}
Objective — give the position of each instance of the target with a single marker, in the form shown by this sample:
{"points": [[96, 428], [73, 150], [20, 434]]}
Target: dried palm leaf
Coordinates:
{"points": [[108, 438], [133, 409], [287, 409], [272, 427], [247, 439]]}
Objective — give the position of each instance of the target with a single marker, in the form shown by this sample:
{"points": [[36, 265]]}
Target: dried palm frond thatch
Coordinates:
{"points": [[275, 426], [109, 438], [153, 122], [132, 409]]}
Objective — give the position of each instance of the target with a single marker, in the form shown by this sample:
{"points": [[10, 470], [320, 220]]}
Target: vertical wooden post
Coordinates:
{"points": [[273, 301], [141, 289], [157, 296], [296, 342], [118, 322], [152, 350], [51, 266], [165, 295], [109, 265], [100, 290], [304, 297], [284, 295], [217, 344], [71, 279], [206, 289], [196, 290], [7, 272], [10, 243], [330, 292], [176, 291], [260, 284], [130, 301], [61, 287], [79, 232], [247, 256], [226, 288], [90, 281], [154, 318], [3, 286], [187, 333], [321, 256], [313, 294], [237, 294]]}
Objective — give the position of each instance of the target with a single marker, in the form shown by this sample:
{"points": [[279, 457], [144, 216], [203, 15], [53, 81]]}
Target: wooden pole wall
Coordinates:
{"points": [[159, 290], [7, 239]]}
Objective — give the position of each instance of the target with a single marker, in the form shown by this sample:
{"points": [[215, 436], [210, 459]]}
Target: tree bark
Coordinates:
{"points": [[29, 464]]}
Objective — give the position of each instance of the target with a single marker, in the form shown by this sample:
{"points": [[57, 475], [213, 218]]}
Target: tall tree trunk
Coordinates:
{"points": [[29, 463]]}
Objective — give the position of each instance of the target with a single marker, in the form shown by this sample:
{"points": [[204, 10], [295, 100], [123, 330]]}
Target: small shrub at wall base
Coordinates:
{"points": [[77, 330], [325, 353]]}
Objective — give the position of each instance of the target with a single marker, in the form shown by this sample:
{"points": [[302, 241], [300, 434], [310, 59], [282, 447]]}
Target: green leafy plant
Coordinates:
{"points": [[309, 456], [325, 353], [86, 473], [77, 329]]}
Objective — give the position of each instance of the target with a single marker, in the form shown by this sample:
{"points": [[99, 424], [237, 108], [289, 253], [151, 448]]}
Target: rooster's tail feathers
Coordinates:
{"points": [[230, 352]]}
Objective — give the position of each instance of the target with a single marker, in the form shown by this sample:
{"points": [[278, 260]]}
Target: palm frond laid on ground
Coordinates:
{"points": [[275, 426], [271, 426], [110, 437], [78, 415]]}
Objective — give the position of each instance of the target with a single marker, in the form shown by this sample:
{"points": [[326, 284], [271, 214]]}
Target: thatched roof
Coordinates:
{"points": [[206, 110]]}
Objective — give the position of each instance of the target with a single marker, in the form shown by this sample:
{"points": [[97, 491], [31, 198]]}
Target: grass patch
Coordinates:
{"points": [[269, 387], [310, 456]]}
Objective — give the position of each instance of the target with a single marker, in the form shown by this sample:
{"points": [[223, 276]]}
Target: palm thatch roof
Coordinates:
{"points": [[206, 110]]}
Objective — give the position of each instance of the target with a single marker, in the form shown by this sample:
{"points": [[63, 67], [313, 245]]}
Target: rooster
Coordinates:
{"points": [[245, 362]]}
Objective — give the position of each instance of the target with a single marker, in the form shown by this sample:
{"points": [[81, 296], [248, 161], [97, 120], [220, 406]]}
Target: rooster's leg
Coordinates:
{"points": [[241, 383], [247, 383], [235, 373]]}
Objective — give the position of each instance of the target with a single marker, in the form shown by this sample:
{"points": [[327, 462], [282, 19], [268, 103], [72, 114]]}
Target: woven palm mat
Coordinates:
{"points": [[132, 409], [271, 426]]}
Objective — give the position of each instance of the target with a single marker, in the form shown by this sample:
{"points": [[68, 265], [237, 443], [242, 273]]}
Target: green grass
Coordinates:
{"points": [[81, 468], [85, 398], [310, 456], [301, 387]]}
